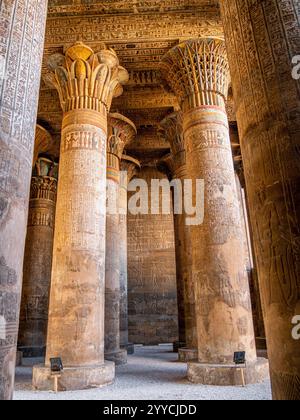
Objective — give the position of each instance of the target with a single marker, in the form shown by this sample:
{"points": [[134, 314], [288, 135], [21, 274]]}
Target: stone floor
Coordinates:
{"points": [[152, 373]]}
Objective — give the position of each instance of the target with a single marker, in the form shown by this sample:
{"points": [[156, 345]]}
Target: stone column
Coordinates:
{"points": [[38, 260], [121, 132], [86, 82], [130, 166], [262, 38], [198, 73], [259, 328], [252, 272], [173, 131], [22, 27]]}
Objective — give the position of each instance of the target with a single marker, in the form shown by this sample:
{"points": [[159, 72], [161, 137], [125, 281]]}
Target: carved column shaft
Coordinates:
{"points": [[129, 166], [86, 82], [76, 318], [262, 38], [223, 307], [22, 30], [121, 132], [199, 74], [38, 260], [176, 162]]}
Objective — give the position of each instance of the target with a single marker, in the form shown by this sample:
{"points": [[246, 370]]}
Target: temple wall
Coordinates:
{"points": [[152, 291]]}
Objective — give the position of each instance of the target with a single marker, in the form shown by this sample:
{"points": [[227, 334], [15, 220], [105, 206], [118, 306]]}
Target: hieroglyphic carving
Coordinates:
{"points": [[99, 28], [147, 99], [172, 130], [121, 131], [261, 39], [144, 77], [86, 82], [131, 166], [134, 6], [22, 26], [151, 275], [38, 259]]}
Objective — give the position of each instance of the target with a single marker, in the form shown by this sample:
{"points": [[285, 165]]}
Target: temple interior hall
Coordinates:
{"points": [[149, 200]]}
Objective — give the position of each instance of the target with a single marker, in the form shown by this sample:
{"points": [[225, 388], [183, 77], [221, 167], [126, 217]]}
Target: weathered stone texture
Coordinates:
{"points": [[131, 167], [262, 38], [38, 260], [76, 312], [176, 163], [76, 309], [22, 26], [223, 305], [121, 131], [197, 70], [152, 275]]}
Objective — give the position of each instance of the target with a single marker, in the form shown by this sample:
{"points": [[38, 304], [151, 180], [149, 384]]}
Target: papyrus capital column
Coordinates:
{"points": [[121, 131], [198, 72], [22, 28], [262, 39], [38, 259], [86, 82], [172, 130]]}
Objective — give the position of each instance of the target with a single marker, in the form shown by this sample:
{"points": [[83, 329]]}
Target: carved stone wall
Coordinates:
{"points": [[152, 295], [262, 38]]}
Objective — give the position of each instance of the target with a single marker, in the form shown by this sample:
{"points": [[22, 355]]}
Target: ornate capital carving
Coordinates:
{"points": [[44, 180], [198, 72], [43, 142], [43, 187], [172, 129], [86, 79], [121, 131]]}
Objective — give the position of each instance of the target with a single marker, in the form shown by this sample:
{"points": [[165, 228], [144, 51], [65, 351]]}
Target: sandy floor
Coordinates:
{"points": [[152, 373]]}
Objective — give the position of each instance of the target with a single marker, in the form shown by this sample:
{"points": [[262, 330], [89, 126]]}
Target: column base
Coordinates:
{"points": [[32, 352], [119, 357], [129, 347], [186, 355], [178, 345], [228, 375], [74, 378]]}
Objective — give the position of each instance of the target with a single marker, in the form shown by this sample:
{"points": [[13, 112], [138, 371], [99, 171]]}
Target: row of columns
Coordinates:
{"points": [[39, 245], [268, 120], [38, 259], [121, 132], [130, 168]]}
